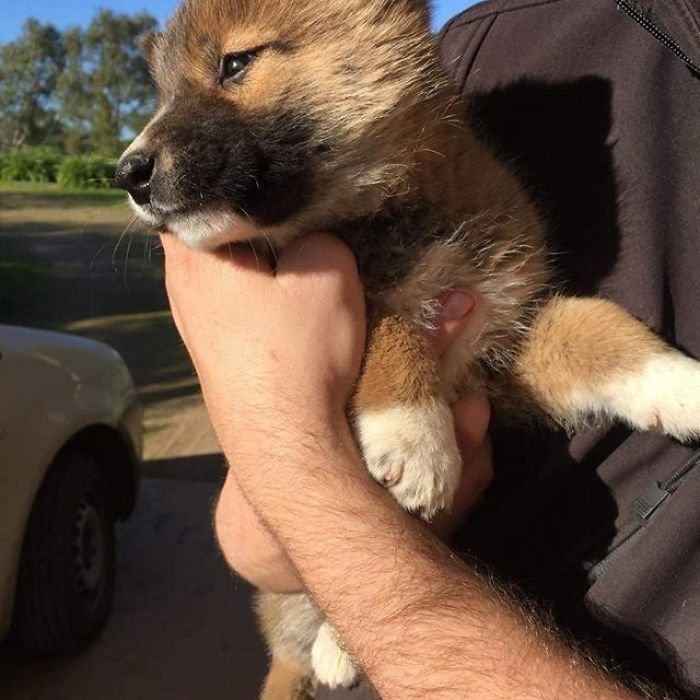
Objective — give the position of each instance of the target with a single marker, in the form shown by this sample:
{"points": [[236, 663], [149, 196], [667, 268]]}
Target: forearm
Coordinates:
{"points": [[429, 626], [257, 556]]}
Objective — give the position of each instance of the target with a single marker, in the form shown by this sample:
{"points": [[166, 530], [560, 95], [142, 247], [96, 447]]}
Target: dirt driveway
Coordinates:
{"points": [[181, 627]]}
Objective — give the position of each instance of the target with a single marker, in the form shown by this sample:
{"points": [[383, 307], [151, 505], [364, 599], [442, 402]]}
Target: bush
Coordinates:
{"points": [[86, 172], [30, 164]]}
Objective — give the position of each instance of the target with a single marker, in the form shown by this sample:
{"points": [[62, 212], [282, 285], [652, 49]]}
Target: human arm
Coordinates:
{"points": [[278, 357], [252, 551], [256, 555]]}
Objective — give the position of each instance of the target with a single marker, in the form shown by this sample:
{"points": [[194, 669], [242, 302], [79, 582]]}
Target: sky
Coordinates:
{"points": [[63, 13]]}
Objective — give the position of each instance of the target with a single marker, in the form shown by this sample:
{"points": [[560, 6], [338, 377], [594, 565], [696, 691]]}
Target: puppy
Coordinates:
{"points": [[282, 117]]}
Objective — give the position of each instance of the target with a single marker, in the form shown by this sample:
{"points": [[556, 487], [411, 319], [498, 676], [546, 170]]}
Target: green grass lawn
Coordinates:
{"points": [[51, 194]]}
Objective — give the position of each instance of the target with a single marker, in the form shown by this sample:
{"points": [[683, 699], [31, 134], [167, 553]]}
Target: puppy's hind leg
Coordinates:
{"points": [[287, 681], [290, 624], [588, 358]]}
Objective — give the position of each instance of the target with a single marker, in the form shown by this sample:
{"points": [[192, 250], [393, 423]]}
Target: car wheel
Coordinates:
{"points": [[66, 579]]}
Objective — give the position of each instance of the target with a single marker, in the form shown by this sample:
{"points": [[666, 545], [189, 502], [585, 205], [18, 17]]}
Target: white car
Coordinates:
{"points": [[70, 447]]}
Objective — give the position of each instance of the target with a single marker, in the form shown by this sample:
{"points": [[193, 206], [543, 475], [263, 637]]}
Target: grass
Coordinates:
{"points": [[51, 193]]}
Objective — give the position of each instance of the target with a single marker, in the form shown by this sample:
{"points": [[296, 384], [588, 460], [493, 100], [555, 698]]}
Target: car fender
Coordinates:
{"points": [[39, 419]]}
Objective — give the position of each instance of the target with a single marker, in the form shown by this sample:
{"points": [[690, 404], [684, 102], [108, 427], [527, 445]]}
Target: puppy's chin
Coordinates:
{"points": [[211, 230], [205, 230]]}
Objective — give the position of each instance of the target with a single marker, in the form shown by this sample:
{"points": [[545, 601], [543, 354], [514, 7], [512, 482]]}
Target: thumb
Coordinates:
{"points": [[456, 309]]}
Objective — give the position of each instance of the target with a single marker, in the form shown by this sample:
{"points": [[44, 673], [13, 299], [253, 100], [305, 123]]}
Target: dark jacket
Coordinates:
{"points": [[596, 103]]}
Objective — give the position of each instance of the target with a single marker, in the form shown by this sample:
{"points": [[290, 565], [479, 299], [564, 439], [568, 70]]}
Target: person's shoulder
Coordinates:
{"points": [[462, 36], [489, 9]]}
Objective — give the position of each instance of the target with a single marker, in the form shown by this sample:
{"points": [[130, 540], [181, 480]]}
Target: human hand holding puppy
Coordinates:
{"points": [[260, 315]]}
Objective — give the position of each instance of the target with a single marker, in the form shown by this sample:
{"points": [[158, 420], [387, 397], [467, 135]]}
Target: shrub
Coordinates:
{"points": [[86, 172], [30, 164]]}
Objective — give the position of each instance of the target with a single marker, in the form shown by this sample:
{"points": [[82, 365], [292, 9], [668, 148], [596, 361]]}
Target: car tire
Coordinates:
{"points": [[66, 578]]}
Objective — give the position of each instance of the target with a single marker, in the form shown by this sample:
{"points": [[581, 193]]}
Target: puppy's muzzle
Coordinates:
{"points": [[133, 174]]}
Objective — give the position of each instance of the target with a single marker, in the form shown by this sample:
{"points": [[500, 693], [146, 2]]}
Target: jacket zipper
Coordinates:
{"points": [[645, 509], [650, 502], [662, 36]]}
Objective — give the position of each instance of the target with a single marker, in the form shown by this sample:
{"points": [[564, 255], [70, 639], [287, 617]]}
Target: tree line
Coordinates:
{"points": [[82, 90]]}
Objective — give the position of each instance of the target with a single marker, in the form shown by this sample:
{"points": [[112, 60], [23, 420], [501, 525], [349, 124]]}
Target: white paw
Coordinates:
{"points": [[664, 395], [412, 450], [333, 666]]}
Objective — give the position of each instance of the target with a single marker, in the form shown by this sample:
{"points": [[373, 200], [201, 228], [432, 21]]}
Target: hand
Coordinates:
{"points": [[278, 353], [291, 340]]}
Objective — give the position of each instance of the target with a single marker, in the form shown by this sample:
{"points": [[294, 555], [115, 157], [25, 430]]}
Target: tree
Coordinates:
{"points": [[73, 94], [86, 90], [120, 86], [29, 69]]}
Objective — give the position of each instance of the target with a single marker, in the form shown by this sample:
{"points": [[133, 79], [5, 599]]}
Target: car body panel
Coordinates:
{"points": [[52, 386]]}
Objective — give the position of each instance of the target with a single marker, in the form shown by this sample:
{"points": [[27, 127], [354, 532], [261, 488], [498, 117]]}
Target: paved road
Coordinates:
{"points": [[181, 628]]}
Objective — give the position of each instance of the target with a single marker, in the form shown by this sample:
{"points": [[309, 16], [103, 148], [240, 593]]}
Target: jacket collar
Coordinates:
{"points": [[676, 23]]}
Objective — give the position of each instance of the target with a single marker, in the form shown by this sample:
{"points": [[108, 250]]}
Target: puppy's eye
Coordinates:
{"points": [[234, 65]]}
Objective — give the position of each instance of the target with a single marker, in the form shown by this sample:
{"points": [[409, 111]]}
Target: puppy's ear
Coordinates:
{"points": [[148, 44]]}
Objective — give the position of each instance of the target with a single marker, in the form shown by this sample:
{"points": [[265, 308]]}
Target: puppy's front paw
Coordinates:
{"points": [[663, 395], [412, 450], [333, 666]]}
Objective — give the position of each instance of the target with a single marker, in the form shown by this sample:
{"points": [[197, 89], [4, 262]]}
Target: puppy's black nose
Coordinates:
{"points": [[134, 175]]}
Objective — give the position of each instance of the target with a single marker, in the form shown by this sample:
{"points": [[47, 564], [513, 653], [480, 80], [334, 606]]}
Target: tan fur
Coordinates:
{"points": [[399, 368], [287, 681], [273, 609], [331, 65], [290, 674], [581, 344]]}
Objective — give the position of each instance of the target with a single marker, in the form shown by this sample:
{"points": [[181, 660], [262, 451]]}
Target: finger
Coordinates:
{"points": [[477, 476], [472, 416], [197, 282], [244, 256], [456, 309]]}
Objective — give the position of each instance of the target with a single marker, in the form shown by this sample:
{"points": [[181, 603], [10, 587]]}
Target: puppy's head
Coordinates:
{"points": [[279, 116]]}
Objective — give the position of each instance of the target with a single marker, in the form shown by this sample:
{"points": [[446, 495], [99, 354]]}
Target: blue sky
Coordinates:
{"points": [[62, 13]]}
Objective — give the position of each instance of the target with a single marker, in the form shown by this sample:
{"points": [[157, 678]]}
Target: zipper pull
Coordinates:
{"points": [[650, 502]]}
